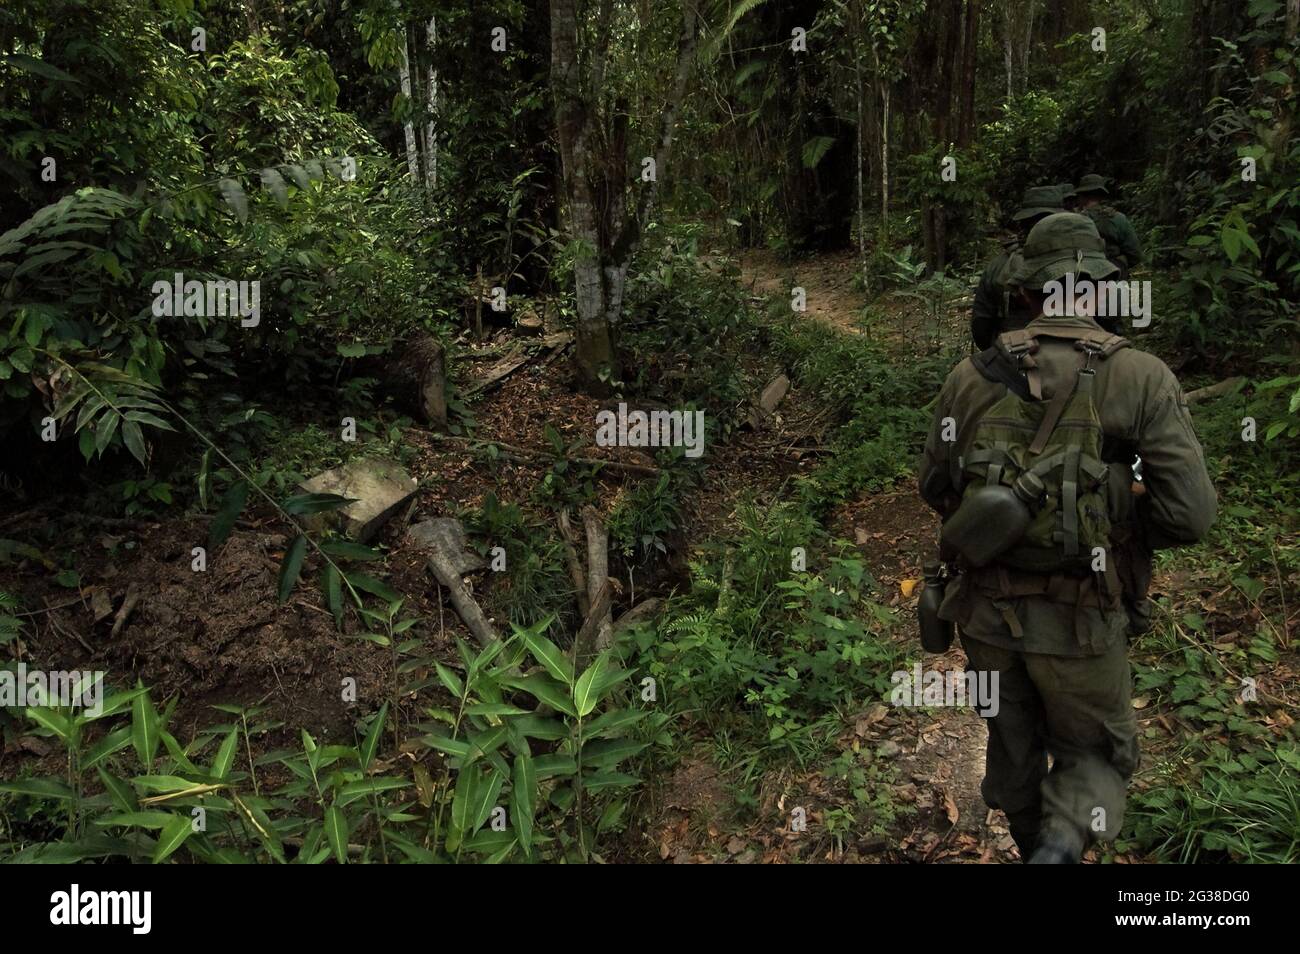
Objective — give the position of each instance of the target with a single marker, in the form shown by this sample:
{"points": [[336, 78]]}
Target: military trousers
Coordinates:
{"points": [[1077, 710]]}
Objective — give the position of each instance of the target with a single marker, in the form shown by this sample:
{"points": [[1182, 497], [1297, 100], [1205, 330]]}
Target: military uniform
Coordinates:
{"points": [[1122, 246], [1057, 641], [996, 307]]}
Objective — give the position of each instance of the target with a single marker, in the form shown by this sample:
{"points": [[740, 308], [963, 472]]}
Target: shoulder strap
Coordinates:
{"points": [[1010, 360], [995, 365]]}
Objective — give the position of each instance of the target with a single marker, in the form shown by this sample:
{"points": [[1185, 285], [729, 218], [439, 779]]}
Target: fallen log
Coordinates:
{"points": [[1214, 390], [466, 607], [576, 573], [598, 574], [587, 643]]}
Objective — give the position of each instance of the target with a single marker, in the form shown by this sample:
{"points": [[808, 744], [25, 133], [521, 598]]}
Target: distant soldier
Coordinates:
{"points": [[1069, 201], [997, 308], [1117, 232]]}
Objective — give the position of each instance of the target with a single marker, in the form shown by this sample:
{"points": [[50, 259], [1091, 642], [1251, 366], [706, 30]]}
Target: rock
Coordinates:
{"points": [[888, 749], [772, 395], [448, 535], [379, 488]]}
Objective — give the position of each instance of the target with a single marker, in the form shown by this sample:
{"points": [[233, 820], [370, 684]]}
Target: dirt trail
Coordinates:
{"points": [[939, 753]]}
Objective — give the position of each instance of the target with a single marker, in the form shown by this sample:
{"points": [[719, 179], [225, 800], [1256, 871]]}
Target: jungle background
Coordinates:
{"points": [[477, 224]]}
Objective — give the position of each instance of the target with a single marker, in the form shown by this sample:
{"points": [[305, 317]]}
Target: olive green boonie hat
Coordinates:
{"points": [[1038, 200], [1058, 245], [1066, 189], [1091, 183]]}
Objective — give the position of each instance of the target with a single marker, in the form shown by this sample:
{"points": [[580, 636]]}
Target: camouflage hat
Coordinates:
{"points": [[1038, 200], [1062, 243], [1091, 183], [1066, 189]]}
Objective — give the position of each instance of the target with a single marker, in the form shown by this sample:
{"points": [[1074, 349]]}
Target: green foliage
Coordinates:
{"points": [[535, 579], [644, 517], [1246, 810], [133, 792], [758, 647]]}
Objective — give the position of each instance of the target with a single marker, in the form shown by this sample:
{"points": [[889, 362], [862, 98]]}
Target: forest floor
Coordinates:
{"points": [[220, 637]]}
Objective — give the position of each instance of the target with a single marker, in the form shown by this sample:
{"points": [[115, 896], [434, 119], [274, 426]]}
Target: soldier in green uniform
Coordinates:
{"points": [[1057, 641], [1121, 240], [997, 308], [1068, 198]]}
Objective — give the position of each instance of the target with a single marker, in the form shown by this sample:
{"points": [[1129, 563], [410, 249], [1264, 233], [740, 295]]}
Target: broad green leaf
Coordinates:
{"points": [[585, 693], [547, 653], [225, 759], [523, 799], [172, 837], [315, 503], [336, 830], [38, 788], [370, 744], [334, 593], [291, 566], [545, 689], [232, 505], [145, 730]]}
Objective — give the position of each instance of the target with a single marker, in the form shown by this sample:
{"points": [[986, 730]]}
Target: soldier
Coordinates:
{"points": [[1122, 245], [997, 308], [1068, 198], [1057, 639]]}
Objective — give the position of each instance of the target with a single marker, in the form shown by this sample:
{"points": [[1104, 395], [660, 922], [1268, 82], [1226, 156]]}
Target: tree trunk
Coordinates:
{"points": [[969, 55], [862, 126], [431, 105], [596, 188], [404, 74], [1007, 58], [884, 155]]}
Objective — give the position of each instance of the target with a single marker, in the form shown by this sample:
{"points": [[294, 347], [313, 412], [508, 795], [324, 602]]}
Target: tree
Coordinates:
{"points": [[604, 222]]}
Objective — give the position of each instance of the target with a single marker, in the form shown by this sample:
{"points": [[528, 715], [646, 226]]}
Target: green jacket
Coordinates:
{"points": [[997, 307], [1122, 246], [1142, 411]]}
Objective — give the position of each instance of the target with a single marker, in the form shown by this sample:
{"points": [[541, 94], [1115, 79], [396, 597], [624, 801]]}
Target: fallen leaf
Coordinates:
{"points": [[950, 807], [908, 586]]}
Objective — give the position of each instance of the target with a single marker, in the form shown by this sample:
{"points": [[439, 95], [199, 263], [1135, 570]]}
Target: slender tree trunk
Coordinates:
{"points": [[404, 74], [969, 55], [1006, 49], [1024, 50], [431, 106], [862, 126], [884, 155], [595, 345]]}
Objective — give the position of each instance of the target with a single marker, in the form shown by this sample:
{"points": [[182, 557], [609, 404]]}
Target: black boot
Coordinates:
{"points": [[1056, 846]]}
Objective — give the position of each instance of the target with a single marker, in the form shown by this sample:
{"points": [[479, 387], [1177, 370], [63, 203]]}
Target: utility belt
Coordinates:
{"points": [[1001, 584]]}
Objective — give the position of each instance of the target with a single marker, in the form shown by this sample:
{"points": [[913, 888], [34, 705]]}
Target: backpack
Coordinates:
{"points": [[1003, 280], [1103, 216], [1058, 441]]}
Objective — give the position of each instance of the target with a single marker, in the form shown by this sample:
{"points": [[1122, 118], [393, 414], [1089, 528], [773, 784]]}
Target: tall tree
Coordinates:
{"points": [[604, 221], [969, 56]]}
